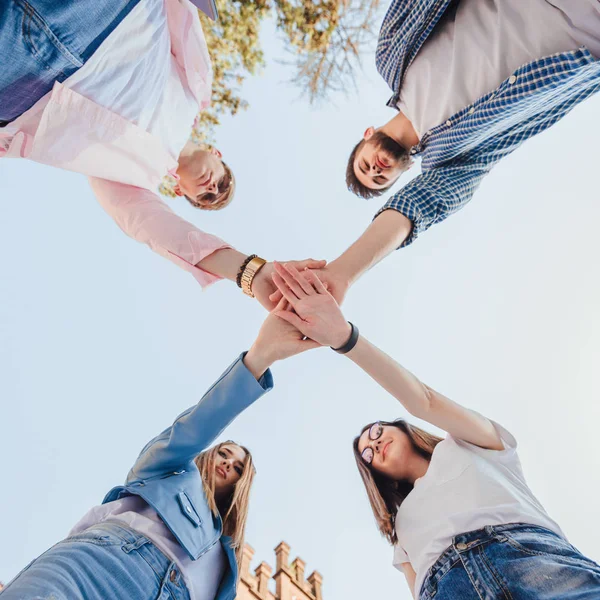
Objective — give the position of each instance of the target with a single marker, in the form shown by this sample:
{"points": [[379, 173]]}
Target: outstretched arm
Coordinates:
{"points": [[246, 380], [143, 216], [318, 316], [427, 199]]}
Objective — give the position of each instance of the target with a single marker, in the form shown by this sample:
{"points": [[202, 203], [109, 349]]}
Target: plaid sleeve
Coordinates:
{"points": [[434, 195]]}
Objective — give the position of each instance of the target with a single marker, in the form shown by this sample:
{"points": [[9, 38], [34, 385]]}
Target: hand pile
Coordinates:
{"points": [[306, 316]]}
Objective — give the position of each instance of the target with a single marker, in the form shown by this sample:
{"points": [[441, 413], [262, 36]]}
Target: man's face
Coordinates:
{"points": [[379, 161]]}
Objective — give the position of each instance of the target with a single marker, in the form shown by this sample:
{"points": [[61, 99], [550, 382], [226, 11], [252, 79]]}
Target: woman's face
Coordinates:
{"points": [[389, 449], [201, 173], [229, 467]]}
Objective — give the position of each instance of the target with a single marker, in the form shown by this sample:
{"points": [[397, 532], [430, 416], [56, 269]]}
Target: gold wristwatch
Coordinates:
{"points": [[250, 271]]}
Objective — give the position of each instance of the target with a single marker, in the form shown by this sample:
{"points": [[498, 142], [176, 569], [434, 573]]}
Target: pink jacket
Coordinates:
{"points": [[124, 163]]}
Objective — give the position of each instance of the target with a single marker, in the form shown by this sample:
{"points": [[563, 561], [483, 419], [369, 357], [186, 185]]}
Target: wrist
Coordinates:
{"points": [[345, 272], [257, 361], [342, 336], [350, 343], [247, 273]]}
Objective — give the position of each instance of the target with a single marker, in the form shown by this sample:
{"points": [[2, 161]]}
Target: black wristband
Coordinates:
{"points": [[351, 341], [240, 272]]}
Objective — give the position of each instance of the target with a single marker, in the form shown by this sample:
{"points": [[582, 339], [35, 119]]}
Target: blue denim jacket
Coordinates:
{"points": [[166, 477]]}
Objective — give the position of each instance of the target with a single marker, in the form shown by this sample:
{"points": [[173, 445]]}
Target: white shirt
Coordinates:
{"points": [[136, 76], [122, 120], [479, 43], [465, 488], [202, 577]]}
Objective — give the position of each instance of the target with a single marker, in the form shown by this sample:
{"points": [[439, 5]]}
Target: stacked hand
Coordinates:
{"points": [[330, 275], [316, 314], [307, 316], [276, 340], [263, 287]]}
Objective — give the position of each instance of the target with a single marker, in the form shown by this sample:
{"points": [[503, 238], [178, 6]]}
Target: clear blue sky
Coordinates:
{"points": [[103, 343]]}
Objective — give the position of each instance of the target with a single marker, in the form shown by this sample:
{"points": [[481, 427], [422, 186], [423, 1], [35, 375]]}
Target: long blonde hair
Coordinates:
{"points": [[234, 509], [385, 494]]}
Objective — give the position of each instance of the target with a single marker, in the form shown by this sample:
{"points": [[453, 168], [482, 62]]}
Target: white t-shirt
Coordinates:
{"points": [[202, 577], [480, 43], [135, 75], [465, 488]]}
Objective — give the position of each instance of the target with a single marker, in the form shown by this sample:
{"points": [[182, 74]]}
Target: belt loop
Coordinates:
{"points": [[135, 545]]}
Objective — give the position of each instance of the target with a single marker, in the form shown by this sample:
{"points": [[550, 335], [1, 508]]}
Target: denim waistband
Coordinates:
{"points": [[160, 563], [466, 542]]}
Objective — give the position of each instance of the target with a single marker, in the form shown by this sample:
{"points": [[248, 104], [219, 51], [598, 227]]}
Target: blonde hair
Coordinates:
{"points": [[385, 494], [234, 509], [207, 201]]}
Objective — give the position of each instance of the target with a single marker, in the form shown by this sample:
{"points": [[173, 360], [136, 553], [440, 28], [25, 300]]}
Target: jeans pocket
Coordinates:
{"points": [[539, 542], [43, 44]]}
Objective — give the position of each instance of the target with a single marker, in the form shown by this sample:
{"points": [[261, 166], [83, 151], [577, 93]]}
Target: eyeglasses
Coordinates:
{"points": [[375, 432]]}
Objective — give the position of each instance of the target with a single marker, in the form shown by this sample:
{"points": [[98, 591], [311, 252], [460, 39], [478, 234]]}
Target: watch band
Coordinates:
{"points": [[351, 341], [250, 271], [238, 278]]}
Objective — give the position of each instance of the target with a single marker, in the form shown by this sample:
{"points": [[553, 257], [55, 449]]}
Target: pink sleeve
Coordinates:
{"points": [[142, 215]]}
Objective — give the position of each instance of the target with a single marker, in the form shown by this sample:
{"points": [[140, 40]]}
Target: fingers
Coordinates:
{"points": [[282, 305], [286, 292], [308, 264], [309, 344], [300, 279], [316, 282], [289, 279], [276, 296], [291, 317]]}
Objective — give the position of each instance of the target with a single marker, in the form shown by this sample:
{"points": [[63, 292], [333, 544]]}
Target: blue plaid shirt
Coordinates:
{"points": [[456, 155]]}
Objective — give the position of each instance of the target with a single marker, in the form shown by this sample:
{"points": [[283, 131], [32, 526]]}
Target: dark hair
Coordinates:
{"points": [[222, 198], [385, 494]]}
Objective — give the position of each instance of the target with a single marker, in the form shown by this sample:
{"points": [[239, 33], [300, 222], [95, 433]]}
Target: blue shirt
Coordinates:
{"points": [[457, 154]]}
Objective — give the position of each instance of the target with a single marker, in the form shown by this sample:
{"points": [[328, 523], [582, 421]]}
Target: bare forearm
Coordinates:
{"points": [[224, 263], [384, 234], [390, 375], [423, 402]]}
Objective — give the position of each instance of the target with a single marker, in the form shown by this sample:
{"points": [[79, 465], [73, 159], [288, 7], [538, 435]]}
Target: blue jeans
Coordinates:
{"points": [[43, 41], [512, 562], [106, 561]]}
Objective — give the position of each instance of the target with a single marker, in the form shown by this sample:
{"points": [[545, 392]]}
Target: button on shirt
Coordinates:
{"points": [[457, 153], [123, 118]]}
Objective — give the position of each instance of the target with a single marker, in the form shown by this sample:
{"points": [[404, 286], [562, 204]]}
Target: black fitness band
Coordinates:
{"points": [[351, 341]]}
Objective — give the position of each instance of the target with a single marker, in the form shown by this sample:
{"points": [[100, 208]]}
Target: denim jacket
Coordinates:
{"points": [[166, 477]]}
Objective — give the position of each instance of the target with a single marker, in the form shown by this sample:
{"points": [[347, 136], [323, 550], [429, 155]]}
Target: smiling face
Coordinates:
{"points": [[389, 450], [229, 468]]}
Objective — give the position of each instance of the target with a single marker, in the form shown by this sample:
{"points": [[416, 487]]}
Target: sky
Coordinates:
{"points": [[103, 343]]}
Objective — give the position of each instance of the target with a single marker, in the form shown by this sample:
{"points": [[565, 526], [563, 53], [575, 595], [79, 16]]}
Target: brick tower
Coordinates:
{"points": [[290, 581]]}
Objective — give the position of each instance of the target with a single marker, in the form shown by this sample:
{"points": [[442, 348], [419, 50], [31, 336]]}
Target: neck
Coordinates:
{"points": [[187, 151], [417, 468], [401, 129]]}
